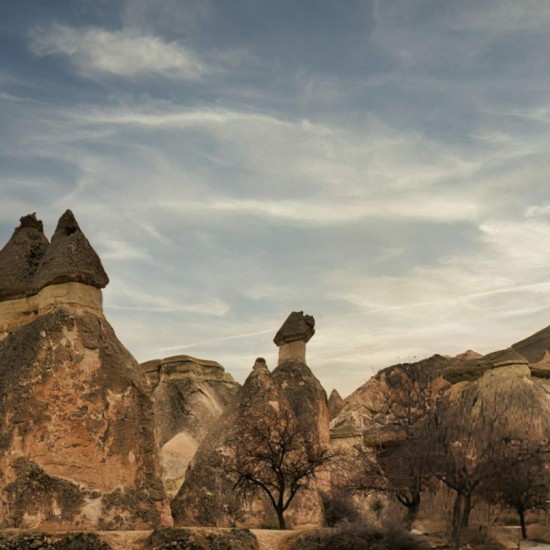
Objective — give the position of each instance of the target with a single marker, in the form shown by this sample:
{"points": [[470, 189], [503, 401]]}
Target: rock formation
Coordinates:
{"points": [[335, 404], [77, 447], [366, 405], [189, 394], [36, 276], [20, 258], [205, 497], [292, 337]]}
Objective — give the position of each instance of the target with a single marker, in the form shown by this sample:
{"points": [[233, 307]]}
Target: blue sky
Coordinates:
{"points": [[381, 165]]}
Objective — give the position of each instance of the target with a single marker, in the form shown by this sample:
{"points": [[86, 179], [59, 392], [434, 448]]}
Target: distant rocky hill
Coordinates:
{"points": [[361, 411], [77, 445]]}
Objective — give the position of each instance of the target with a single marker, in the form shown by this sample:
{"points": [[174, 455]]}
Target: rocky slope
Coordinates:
{"points": [[362, 409], [77, 447]]}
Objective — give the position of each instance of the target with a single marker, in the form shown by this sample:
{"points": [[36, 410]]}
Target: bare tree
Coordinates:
{"points": [[271, 457], [407, 399], [479, 434], [523, 488]]}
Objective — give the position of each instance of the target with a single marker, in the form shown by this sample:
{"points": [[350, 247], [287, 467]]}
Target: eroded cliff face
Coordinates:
{"points": [[77, 446], [189, 395]]}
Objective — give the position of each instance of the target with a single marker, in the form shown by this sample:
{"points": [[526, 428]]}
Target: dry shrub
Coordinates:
{"points": [[339, 509], [358, 537]]}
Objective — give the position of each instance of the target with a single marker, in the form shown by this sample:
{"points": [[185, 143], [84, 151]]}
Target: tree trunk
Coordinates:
{"points": [[521, 514], [467, 509], [458, 511], [412, 512], [281, 517]]}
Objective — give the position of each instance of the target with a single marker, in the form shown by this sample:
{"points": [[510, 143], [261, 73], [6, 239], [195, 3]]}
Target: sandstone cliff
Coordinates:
{"points": [[189, 395], [77, 447]]}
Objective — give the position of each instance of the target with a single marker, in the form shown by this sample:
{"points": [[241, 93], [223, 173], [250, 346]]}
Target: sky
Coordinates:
{"points": [[380, 165]]}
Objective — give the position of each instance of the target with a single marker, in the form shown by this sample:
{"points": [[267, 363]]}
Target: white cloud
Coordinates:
{"points": [[123, 53]]}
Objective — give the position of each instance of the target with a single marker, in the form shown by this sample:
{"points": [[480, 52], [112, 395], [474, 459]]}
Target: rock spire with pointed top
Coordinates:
{"points": [[20, 258], [70, 258]]}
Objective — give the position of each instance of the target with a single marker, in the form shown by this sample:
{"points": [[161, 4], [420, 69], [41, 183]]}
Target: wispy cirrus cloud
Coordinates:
{"points": [[123, 53]]}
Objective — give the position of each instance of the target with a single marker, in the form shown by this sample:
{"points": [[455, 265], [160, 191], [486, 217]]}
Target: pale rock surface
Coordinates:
{"points": [[20, 311], [189, 395]]}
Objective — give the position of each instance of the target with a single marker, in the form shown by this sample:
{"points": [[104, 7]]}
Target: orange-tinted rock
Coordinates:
{"points": [[77, 447]]}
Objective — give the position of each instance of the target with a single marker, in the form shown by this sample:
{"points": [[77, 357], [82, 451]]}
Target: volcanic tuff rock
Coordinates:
{"points": [[189, 394], [206, 497], [28, 262], [368, 403], [77, 447], [70, 258], [20, 258], [293, 336], [296, 327], [362, 406], [335, 404]]}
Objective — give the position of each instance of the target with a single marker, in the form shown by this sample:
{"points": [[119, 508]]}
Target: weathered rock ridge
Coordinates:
{"points": [[357, 416]]}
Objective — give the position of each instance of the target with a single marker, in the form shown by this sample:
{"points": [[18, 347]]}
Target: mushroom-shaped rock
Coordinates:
{"points": [[296, 327], [20, 258], [70, 258], [292, 337]]}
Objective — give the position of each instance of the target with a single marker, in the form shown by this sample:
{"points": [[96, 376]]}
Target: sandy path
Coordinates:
{"points": [[270, 539]]}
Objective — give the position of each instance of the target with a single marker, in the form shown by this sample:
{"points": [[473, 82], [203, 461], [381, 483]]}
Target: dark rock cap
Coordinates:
{"points": [[20, 258], [29, 262], [296, 327], [70, 258]]}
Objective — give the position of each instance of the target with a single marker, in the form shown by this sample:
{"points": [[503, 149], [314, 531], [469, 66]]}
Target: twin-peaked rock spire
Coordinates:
{"points": [[29, 262], [77, 438]]}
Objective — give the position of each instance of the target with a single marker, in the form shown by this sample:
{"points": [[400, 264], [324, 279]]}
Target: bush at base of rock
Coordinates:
{"points": [[357, 537], [339, 509], [202, 539]]}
